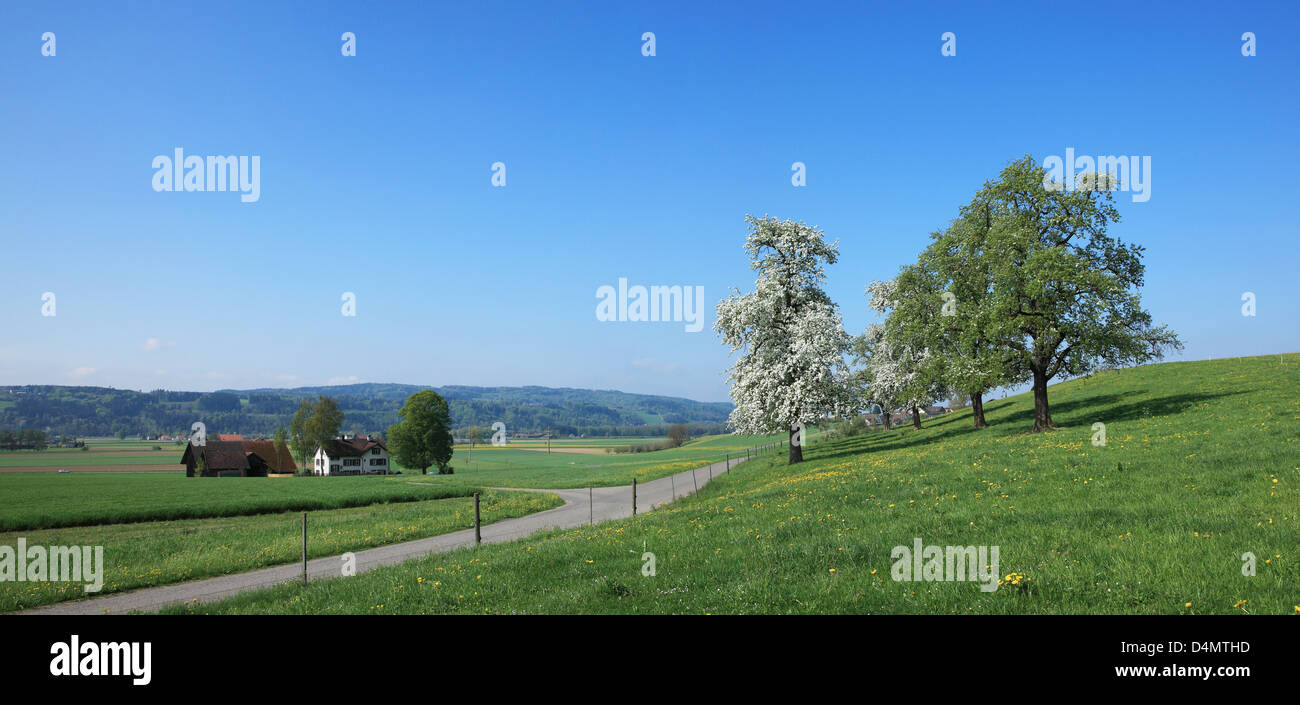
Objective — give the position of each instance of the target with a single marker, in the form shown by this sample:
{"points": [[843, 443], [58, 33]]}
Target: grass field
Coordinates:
{"points": [[45, 501], [52, 500], [101, 455], [164, 552], [74, 461], [1201, 466], [521, 465]]}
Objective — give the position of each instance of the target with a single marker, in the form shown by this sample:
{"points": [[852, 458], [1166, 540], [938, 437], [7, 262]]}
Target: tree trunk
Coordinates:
{"points": [[916, 418], [888, 418], [1042, 415], [796, 451], [977, 407]]}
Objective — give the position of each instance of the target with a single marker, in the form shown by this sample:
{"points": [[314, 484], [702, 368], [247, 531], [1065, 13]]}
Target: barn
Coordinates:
{"points": [[236, 459]]}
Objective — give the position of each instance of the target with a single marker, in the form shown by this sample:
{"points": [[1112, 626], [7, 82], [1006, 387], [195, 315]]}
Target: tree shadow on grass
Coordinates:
{"points": [[1106, 408]]}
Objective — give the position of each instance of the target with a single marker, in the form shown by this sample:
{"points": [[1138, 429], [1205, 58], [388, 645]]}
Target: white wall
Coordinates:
{"points": [[334, 465]]}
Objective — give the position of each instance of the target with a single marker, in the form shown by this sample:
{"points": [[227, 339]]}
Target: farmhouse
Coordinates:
{"points": [[236, 459], [358, 455]]}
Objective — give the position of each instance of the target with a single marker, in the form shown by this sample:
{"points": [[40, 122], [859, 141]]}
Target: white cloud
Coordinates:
{"points": [[153, 344], [80, 372], [350, 379]]}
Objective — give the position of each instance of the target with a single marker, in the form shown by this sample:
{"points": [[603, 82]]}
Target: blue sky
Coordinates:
{"points": [[376, 174]]}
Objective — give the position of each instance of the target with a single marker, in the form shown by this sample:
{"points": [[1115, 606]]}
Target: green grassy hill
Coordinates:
{"points": [[1201, 466]]}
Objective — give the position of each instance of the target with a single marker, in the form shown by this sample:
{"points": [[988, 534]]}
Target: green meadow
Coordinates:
{"points": [[167, 460], [1200, 467], [51, 500], [164, 552], [520, 465]]}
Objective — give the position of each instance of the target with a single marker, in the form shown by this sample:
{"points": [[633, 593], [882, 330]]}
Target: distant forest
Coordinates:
{"points": [[368, 408]]}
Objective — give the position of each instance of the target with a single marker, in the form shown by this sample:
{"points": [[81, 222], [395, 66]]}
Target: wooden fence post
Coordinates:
{"points": [[478, 534], [634, 496], [304, 548]]}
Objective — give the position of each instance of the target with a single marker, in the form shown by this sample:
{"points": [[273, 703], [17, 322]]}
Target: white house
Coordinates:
{"points": [[359, 455]]}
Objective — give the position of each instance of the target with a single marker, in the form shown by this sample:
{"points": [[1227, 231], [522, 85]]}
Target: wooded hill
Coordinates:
{"points": [[101, 411]]}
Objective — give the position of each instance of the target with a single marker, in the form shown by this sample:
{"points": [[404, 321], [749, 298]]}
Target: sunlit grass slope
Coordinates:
{"points": [[1201, 466]]}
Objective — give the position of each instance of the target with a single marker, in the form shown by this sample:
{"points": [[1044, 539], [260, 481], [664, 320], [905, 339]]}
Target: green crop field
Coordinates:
{"points": [[518, 466], [44, 501], [164, 552], [100, 454], [74, 461], [1201, 466]]}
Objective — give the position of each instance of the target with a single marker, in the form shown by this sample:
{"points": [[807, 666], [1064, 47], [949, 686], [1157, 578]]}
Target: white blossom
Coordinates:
{"points": [[787, 330]]}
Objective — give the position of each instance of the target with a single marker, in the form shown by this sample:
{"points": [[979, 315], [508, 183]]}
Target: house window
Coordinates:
{"points": [[375, 451], [352, 461], [379, 461]]}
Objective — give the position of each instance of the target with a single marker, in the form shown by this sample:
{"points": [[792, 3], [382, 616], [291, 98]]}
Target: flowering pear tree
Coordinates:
{"points": [[900, 370], [791, 370]]}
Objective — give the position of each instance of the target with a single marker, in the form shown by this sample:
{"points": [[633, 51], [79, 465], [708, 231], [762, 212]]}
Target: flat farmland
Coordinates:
{"points": [[44, 501], [523, 464], [101, 455], [154, 553]]}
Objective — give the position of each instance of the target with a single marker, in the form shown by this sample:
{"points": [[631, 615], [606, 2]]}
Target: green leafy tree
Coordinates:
{"points": [[1065, 294], [902, 369], [324, 423], [946, 303], [422, 438], [298, 434]]}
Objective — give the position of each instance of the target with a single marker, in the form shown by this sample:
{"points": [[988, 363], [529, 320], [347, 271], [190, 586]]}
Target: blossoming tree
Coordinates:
{"points": [[791, 369], [901, 371]]}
